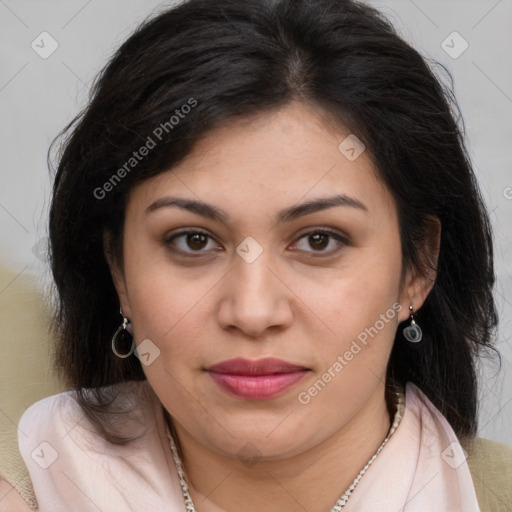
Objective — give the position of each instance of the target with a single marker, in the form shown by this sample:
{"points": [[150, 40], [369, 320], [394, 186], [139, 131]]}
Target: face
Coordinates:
{"points": [[318, 288]]}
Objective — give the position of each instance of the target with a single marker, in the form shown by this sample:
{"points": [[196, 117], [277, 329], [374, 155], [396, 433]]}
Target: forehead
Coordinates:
{"points": [[270, 161]]}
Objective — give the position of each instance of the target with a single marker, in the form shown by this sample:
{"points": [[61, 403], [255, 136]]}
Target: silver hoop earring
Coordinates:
{"points": [[123, 338], [412, 332]]}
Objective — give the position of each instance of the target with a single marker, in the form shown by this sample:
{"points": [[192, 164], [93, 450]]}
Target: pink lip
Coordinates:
{"points": [[256, 380]]}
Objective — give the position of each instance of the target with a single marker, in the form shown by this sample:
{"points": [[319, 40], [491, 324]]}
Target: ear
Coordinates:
{"points": [[419, 282], [117, 273]]}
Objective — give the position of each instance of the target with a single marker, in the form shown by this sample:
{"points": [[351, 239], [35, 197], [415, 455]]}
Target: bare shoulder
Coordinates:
{"points": [[10, 499]]}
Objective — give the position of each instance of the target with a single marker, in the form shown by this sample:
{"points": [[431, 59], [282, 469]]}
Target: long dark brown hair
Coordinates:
{"points": [[236, 58]]}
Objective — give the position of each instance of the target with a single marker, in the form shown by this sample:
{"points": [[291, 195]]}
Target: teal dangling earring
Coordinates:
{"points": [[412, 332]]}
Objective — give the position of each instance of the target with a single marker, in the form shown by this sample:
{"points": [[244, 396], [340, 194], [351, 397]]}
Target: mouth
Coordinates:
{"points": [[256, 380]]}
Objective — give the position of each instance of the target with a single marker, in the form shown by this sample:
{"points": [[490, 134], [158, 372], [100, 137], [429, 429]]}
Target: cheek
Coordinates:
{"points": [[355, 297], [363, 315], [161, 309], [360, 310], [168, 307]]}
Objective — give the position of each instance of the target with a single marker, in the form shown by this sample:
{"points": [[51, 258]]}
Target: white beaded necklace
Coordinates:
{"points": [[189, 505]]}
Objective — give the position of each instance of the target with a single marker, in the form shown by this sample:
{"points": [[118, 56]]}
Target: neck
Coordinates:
{"points": [[312, 480]]}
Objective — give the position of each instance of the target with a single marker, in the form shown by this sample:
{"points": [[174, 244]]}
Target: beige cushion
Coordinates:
{"points": [[490, 464], [25, 368]]}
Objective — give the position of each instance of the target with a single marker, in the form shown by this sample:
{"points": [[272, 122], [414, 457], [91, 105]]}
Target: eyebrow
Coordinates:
{"points": [[286, 215]]}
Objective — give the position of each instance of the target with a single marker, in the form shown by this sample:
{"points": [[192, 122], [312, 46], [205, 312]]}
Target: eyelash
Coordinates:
{"points": [[316, 254]]}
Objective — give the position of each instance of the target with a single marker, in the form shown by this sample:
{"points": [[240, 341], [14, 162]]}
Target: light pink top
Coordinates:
{"points": [[421, 469]]}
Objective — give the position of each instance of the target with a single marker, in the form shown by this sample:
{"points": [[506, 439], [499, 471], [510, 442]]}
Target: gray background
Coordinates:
{"points": [[38, 97]]}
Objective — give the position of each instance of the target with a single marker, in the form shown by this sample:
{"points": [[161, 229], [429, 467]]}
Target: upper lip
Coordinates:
{"points": [[265, 366]]}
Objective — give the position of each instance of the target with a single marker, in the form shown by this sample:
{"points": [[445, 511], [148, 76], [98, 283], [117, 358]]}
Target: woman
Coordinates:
{"points": [[274, 271]]}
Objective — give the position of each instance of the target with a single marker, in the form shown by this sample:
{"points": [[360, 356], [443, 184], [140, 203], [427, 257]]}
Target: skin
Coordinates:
{"points": [[287, 304], [10, 500]]}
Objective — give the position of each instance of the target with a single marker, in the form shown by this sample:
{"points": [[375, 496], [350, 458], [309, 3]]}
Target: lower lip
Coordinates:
{"points": [[261, 387]]}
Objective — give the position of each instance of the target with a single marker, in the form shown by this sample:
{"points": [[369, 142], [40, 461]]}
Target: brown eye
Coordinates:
{"points": [[318, 241], [189, 242], [196, 241]]}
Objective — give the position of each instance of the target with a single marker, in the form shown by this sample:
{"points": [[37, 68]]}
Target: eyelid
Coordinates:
{"points": [[325, 230]]}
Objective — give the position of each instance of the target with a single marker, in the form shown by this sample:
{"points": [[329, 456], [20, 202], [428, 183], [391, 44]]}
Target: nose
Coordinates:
{"points": [[255, 299]]}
